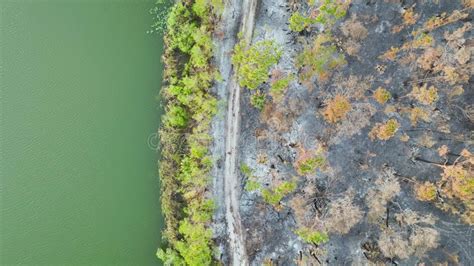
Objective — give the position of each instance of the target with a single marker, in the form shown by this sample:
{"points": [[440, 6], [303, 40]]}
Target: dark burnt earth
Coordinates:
{"points": [[272, 140]]}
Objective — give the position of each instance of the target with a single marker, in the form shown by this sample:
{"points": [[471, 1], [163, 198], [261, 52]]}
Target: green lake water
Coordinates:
{"points": [[78, 87]]}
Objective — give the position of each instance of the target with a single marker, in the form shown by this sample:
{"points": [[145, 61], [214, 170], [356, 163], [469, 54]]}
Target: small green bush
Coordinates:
{"points": [[279, 86], [245, 169], [253, 64], [384, 131], [313, 237], [308, 166], [252, 184], [258, 100], [298, 22], [275, 195]]}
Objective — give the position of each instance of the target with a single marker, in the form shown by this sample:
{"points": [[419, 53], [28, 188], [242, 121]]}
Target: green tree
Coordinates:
{"points": [[254, 63], [177, 116]]}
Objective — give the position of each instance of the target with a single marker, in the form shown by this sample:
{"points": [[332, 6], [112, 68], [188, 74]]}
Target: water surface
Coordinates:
{"points": [[78, 102]]}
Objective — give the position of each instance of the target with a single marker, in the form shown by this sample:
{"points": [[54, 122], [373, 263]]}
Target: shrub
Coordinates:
{"points": [[279, 86], [342, 215], [253, 64], [423, 239], [393, 245], [410, 218], [200, 8], [275, 195], [205, 9], [413, 238], [429, 58], [354, 29], [443, 151], [458, 178], [337, 109], [313, 237], [257, 100], [330, 11], [320, 58], [176, 116], [246, 170], [444, 19], [381, 95], [252, 184], [425, 191], [421, 40], [308, 161], [391, 54], [409, 17], [384, 131], [386, 188], [425, 95], [200, 210], [417, 113], [217, 6], [169, 257], [298, 22], [183, 39], [309, 165]]}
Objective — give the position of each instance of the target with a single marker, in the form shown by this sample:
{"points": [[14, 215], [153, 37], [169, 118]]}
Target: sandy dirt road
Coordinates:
{"points": [[232, 186]]}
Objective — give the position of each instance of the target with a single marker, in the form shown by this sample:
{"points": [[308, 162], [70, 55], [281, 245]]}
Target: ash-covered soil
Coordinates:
{"points": [[364, 196]]}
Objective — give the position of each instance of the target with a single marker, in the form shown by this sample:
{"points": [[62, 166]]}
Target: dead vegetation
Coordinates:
{"points": [[454, 192], [355, 121], [342, 214], [394, 245], [418, 114], [386, 188], [355, 32], [277, 116], [414, 235], [457, 183]]}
